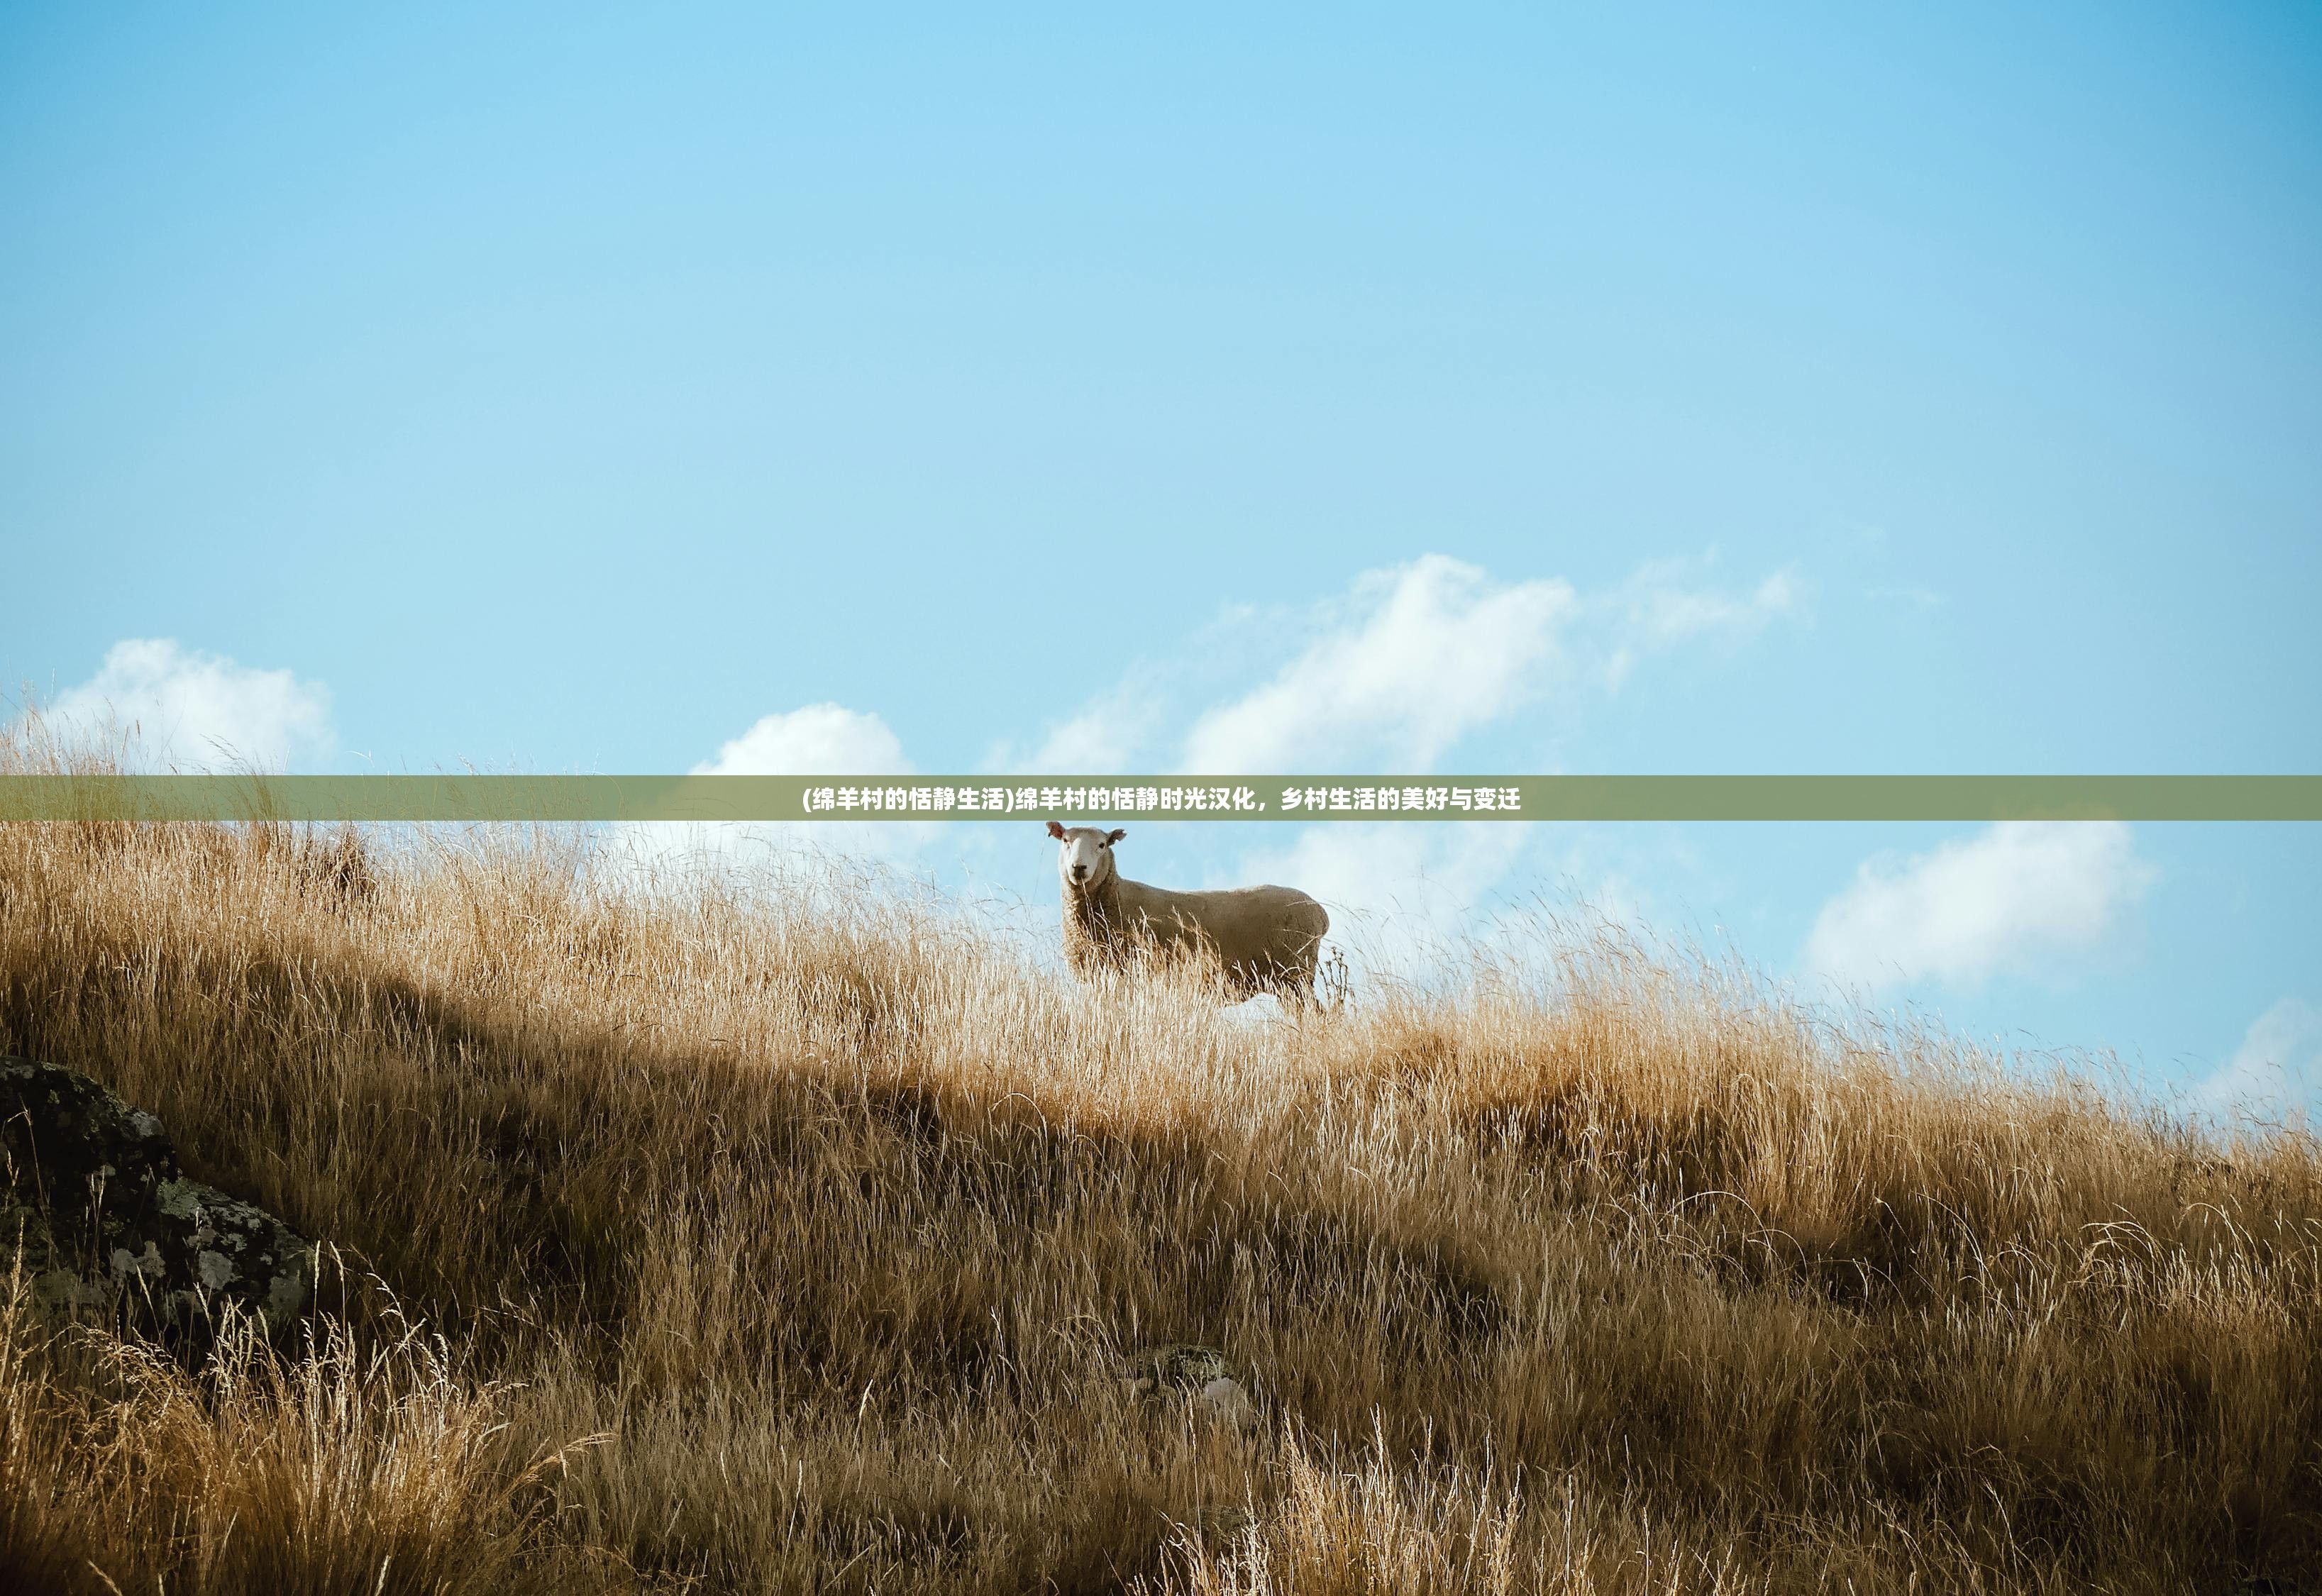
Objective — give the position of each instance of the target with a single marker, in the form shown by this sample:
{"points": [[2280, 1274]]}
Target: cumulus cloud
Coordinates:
{"points": [[1102, 739], [1424, 652], [1417, 656], [2275, 1076], [171, 707], [2003, 902], [819, 740], [1391, 673]]}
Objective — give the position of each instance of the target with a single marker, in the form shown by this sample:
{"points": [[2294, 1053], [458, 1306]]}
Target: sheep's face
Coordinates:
{"points": [[1086, 859]]}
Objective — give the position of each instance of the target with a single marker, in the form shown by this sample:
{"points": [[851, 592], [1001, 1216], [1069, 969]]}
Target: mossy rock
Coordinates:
{"points": [[1181, 1368], [101, 1216], [1175, 1365]]}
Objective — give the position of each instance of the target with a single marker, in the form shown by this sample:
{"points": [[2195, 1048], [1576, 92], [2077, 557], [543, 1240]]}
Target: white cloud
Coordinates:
{"points": [[1426, 651], [2275, 1076], [819, 740], [1102, 739], [1417, 656], [1659, 610], [1659, 607], [177, 708], [1397, 893], [1390, 674], [2003, 902]]}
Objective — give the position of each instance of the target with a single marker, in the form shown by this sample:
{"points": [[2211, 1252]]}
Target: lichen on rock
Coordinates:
{"points": [[1188, 1370], [100, 1214]]}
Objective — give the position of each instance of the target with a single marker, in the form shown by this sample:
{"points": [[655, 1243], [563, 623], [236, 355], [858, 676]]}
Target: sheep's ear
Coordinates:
{"points": [[1057, 829], [1116, 836]]}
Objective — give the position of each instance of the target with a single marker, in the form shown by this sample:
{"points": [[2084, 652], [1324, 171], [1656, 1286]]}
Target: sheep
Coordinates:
{"points": [[1265, 939]]}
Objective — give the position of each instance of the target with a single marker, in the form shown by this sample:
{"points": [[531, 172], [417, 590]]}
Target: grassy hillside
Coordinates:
{"points": [[785, 1240]]}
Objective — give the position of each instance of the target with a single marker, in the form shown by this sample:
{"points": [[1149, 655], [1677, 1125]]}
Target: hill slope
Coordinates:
{"points": [[788, 1240]]}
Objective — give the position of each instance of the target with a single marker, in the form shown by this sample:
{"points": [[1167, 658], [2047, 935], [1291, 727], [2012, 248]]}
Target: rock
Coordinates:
{"points": [[1222, 1524], [101, 1214], [1175, 1365], [1188, 1370]]}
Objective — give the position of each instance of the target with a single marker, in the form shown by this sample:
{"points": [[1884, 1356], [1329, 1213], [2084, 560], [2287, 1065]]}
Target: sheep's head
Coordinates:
{"points": [[1085, 860]]}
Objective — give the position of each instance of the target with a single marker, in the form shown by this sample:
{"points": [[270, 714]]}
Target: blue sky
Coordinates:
{"points": [[1773, 388]]}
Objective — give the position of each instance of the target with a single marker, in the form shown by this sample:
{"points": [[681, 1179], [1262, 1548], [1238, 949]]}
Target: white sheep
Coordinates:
{"points": [[1265, 939]]}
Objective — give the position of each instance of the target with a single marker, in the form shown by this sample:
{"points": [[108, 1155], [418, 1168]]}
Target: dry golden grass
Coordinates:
{"points": [[779, 1238]]}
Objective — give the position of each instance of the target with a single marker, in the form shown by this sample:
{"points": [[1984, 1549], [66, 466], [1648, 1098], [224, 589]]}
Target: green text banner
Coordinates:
{"points": [[922, 798]]}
